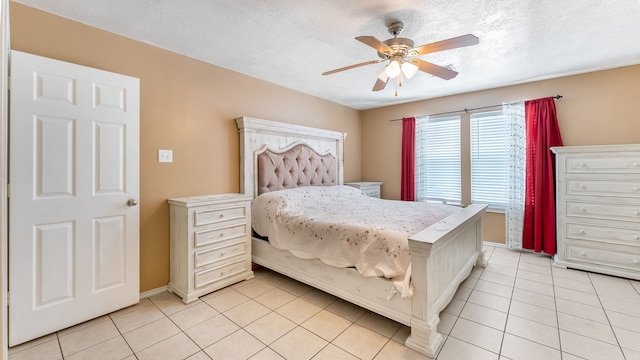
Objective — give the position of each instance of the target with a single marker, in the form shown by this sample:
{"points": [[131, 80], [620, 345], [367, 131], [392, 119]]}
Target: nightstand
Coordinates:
{"points": [[210, 243], [371, 188]]}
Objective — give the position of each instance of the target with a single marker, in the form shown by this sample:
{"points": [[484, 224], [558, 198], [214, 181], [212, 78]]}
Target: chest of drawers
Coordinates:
{"points": [[598, 208], [371, 188], [210, 243]]}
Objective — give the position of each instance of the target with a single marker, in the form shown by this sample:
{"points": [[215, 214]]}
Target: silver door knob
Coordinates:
{"points": [[132, 202]]}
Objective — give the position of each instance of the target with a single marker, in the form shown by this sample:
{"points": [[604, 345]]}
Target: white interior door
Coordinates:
{"points": [[74, 185]]}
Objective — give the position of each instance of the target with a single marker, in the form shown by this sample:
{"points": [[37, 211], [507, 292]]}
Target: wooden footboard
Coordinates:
{"points": [[442, 256]]}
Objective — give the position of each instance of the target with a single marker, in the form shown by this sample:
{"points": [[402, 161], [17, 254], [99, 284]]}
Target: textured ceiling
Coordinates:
{"points": [[291, 43]]}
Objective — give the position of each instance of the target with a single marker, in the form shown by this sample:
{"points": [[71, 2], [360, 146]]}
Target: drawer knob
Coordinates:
{"points": [[221, 234], [582, 253], [583, 209], [582, 232], [635, 188], [582, 187], [636, 261], [636, 213], [582, 164], [221, 215], [635, 164], [223, 254], [636, 237]]}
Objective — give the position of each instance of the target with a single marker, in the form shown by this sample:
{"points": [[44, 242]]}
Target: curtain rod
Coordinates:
{"points": [[477, 108]]}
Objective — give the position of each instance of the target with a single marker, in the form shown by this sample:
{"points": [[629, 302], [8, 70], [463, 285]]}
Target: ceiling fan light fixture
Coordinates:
{"points": [[393, 69], [402, 57], [409, 69]]}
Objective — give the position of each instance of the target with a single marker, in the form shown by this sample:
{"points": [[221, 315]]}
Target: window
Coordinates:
{"points": [[438, 170], [489, 159]]}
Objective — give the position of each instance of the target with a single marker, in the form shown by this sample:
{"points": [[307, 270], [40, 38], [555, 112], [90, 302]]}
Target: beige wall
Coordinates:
{"points": [[187, 106], [596, 108]]}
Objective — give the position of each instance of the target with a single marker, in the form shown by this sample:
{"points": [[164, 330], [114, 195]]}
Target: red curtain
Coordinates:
{"points": [[542, 133], [407, 178]]}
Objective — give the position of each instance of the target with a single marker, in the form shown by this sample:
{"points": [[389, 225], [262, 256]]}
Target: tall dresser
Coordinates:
{"points": [[210, 243], [598, 208]]}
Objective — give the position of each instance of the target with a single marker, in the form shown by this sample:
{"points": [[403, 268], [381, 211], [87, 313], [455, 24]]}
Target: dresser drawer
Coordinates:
{"points": [[216, 215], [618, 163], [220, 253], [209, 236], [623, 212], [612, 257], [630, 188], [608, 234], [218, 273]]}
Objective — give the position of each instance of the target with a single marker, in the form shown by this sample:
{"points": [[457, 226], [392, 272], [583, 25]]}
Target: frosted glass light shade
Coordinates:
{"points": [[409, 69], [393, 69]]}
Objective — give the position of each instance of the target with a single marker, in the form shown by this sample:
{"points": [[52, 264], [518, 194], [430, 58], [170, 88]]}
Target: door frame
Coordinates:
{"points": [[5, 46]]}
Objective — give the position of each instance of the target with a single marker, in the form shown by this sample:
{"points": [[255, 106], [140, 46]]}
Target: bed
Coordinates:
{"points": [[441, 255]]}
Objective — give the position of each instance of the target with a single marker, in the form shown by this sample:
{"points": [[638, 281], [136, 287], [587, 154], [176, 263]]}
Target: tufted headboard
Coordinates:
{"points": [[298, 166], [275, 156]]}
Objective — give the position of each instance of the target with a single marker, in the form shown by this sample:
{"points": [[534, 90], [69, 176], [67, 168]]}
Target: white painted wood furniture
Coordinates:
{"points": [[371, 188], [598, 208], [442, 255], [210, 243]]}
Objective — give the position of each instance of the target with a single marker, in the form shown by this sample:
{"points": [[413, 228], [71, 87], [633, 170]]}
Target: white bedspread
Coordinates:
{"points": [[343, 227]]}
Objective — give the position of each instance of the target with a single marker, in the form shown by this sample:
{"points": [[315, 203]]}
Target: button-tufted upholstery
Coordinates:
{"points": [[299, 166]]}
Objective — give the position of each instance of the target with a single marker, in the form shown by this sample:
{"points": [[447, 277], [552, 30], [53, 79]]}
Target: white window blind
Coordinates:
{"points": [[489, 159], [438, 160]]}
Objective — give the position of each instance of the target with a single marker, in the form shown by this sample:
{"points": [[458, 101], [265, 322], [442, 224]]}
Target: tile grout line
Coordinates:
{"points": [[607, 315], [459, 315], [59, 345], [165, 316], [504, 330], [121, 335], [555, 303]]}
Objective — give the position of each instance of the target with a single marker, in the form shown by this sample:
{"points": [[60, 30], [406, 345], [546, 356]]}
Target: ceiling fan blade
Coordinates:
{"points": [[375, 43], [379, 85], [456, 42], [435, 70], [351, 67]]}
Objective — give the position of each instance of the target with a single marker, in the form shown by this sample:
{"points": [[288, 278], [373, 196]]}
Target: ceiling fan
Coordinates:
{"points": [[402, 56]]}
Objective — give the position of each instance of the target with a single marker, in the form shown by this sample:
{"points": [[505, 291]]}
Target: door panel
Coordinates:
{"points": [[55, 143], [73, 164], [110, 246], [54, 263]]}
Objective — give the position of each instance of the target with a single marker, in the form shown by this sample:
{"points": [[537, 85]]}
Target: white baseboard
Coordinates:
{"points": [[494, 244], [153, 292]]}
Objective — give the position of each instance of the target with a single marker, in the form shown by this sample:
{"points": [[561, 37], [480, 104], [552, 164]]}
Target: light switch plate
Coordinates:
{"points": [[165, 156]]}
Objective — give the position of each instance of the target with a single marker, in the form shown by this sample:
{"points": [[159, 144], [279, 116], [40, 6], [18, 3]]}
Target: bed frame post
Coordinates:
{"points": [[482, 261], [424, 336], [442, 257]]}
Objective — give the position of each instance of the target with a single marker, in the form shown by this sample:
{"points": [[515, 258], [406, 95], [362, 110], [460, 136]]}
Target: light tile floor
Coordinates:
{"points": [[519, 307]]}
